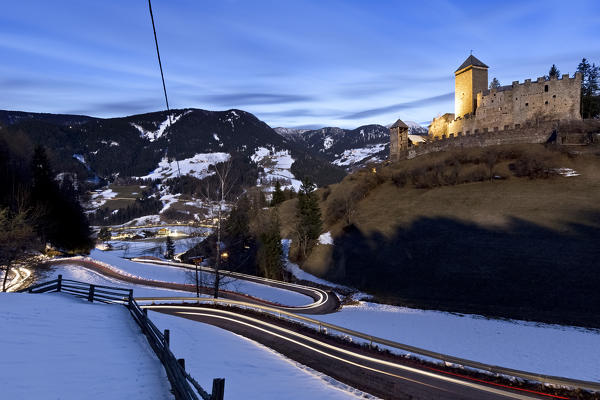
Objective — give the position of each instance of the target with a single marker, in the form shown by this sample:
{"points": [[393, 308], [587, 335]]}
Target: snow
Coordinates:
{"points": [[354, 156], [251, 371], [328, 142], [276, 165], [168, 200], [197, 166], [79, 158], [168, 273], [100, 198], [568, 172], [548, 349], [299, 273], [216, 137], [154, 135], [61, 347], [326, 238]]}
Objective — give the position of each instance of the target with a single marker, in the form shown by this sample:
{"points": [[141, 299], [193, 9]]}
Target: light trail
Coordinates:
{"points": [[228, 316]]}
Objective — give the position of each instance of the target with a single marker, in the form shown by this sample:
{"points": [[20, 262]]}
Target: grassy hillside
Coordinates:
{"points": [[437, 232]]}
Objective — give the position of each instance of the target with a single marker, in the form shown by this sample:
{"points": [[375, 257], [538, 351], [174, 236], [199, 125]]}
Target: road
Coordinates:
{"points": [[383, 375], [324, 302]]}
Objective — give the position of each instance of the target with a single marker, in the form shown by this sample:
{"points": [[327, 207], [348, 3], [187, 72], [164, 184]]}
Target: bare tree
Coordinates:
{"points": [[216, 199]]}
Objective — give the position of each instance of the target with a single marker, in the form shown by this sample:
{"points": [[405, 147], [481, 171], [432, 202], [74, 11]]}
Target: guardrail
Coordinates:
{"points": [[175, 368], [548, 379]]}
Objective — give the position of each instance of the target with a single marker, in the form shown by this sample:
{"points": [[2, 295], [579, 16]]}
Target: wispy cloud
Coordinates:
{"points": [[237, 99], [400, 106]]}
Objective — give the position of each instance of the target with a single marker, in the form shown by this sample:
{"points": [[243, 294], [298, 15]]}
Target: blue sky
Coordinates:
{"points": [[292, 63]]}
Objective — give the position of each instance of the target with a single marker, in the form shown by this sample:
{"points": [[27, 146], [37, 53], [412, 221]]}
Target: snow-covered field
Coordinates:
{"points": [[548, 349], [276, 165], [57, 346], [353, 156], [194, 166], [168, 273], [251, 371]]}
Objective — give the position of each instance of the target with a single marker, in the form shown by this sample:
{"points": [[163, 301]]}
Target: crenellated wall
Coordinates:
{"points": [[511, 107]]}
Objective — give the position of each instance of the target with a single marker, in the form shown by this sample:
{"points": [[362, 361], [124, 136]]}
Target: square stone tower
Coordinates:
{"points": [[398, 140], [469, 79]]}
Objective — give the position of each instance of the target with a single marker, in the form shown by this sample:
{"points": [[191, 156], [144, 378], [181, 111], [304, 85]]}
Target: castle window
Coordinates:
{"points": [[546, 102], [516, 98], [526, 104], [553, 96], [468, 132], [476, 131], [545, 88], [506, 127], [517, 126], [495, 128]]}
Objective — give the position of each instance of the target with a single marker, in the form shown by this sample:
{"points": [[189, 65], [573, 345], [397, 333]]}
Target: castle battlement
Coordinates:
{"points": [[479, 109]]}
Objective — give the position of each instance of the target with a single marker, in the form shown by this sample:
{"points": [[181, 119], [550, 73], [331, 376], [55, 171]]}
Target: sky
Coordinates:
{"points": [[293, 63]]}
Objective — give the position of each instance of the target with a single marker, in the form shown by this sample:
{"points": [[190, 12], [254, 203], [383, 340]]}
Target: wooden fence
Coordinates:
{"points": [[182, 383]]}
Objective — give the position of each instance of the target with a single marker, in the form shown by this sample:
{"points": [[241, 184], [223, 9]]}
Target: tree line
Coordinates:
{"points": [[37, 207]]}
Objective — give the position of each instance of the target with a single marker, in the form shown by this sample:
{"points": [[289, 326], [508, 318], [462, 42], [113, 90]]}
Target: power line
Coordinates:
{"points": [[162, 75]]}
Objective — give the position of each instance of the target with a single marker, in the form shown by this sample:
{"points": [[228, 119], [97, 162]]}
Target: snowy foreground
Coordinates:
{"points": [[251, 371], [548, 349], [57, 346]]}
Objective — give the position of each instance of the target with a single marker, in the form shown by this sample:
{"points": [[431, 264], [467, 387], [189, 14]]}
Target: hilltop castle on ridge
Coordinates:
{"points": [[510, 109]]}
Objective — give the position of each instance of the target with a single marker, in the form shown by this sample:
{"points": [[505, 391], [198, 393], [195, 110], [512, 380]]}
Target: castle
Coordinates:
{"points": [[507, 109]]}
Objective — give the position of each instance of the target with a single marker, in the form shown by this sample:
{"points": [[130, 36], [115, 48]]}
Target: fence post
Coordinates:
{"points": [[59, 283], [218, 389], [167, 336], [91, 293]]}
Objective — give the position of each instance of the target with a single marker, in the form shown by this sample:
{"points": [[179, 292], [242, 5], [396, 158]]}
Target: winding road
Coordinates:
{"points": [[384, 375]]}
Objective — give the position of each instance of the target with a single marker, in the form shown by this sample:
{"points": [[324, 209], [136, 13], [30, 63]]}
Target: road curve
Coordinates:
{"points": [[381, 375], [324, 302]]}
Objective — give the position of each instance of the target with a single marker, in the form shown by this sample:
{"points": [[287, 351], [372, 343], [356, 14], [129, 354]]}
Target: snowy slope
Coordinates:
{"points": [[251, 370], [548, 349], [153, 135], [276, 165], [195, 166], [57, 346]]}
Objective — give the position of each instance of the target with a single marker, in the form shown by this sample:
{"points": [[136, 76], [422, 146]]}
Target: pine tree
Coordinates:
{"points": [[554, 72], [590, 88], [308, 213], [104, 234], [269, 249], [495, 83], [170, 248], [278, 196]]}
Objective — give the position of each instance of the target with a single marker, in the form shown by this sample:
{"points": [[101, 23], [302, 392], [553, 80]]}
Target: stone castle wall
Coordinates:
{"points": [[539, 132], [511, 107]]}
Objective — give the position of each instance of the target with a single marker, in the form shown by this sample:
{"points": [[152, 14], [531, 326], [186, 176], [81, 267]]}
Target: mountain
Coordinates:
{"points": [[136, 145], [348, 148]]}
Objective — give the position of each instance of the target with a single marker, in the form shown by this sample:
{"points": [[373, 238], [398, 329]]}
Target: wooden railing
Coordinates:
{"points": [[182, 383]]}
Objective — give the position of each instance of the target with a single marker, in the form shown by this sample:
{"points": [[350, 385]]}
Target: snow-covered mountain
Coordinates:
{"points": [[347, 148], [159, 145]]}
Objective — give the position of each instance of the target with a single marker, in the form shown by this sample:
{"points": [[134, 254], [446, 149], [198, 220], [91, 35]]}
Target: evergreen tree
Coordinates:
{"points": [[278, 196], [104, 234], [590, 89], [554, 72], [495, 83], [269, 249], [308, 213], [170, 248]]}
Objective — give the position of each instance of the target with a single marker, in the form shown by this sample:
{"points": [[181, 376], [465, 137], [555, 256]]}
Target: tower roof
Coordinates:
{"points": [[399, 124], [471, 61]]}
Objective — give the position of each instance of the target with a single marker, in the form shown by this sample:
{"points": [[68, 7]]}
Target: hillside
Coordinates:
{"points": [[436, 232]]}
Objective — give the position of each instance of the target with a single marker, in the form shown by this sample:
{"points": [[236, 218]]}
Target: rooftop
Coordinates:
{"points": [[471, 61]]}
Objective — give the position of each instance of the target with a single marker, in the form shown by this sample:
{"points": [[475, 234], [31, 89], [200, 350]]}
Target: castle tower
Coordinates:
{"points": [[469, 79], [398, 140]]}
